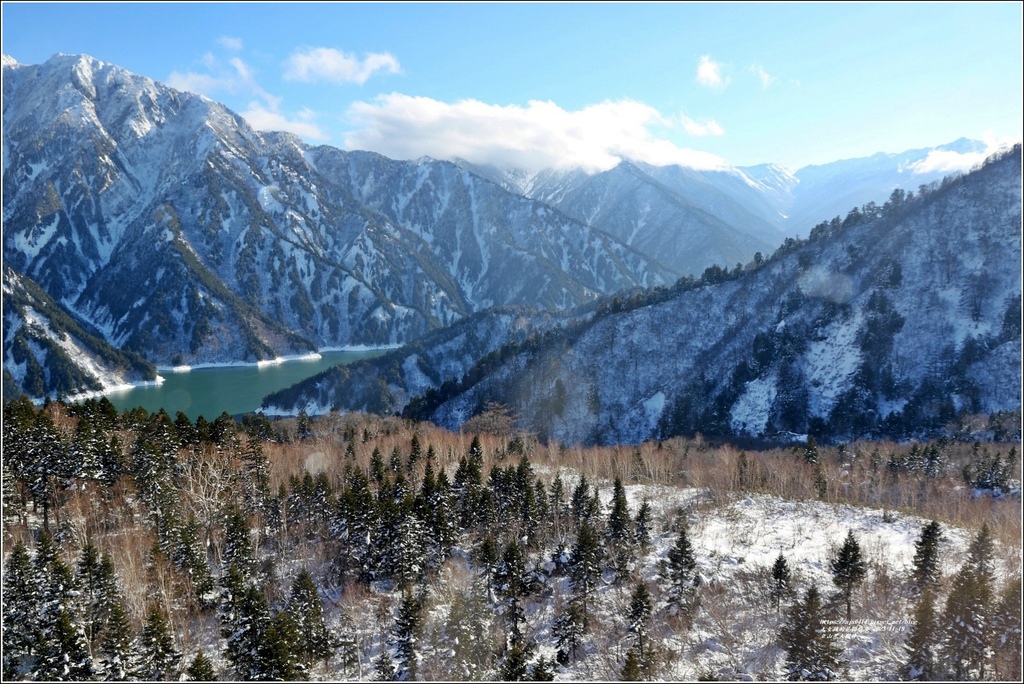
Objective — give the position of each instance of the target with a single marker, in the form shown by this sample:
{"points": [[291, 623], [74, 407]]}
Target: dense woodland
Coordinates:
{"points": [[141, 546]]}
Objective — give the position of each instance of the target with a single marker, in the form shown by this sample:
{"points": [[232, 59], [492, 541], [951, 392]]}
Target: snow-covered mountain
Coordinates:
{"points": [[889, 322], [166, 223], [48, 353]]}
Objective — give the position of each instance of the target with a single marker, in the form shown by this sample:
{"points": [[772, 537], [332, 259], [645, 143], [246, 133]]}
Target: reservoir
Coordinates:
{"points": [[208, 392]]}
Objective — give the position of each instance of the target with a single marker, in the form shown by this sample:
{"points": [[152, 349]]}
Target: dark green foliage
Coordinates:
{"points": [[781, 587], [201, 669], [921, 644], [1006, 626], [21, 634], [680, 572], [406, 632], [967, 616], [568, 631], [811, 653], [158, 658], [848, 569], [306, 609], [926, 556], [117, 645], [585, 569]]}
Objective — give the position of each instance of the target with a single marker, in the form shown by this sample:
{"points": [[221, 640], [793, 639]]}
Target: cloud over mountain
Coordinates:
{"points": [[539, 135]]}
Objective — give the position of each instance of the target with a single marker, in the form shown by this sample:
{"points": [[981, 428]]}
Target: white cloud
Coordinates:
{"points": [[709, 73], [230, 43], [264, 117], [328, 64], [234, 78], [948, 161], [765, 78], [237, 78], [539, 135], [699, 130]]}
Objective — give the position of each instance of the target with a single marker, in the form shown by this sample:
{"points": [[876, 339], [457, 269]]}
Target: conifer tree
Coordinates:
{"points": [[642, 533], [21, 631], [158, 658], [680, 571], [514, 663], [640, 609], [781, 581], [306, 609], [921, 643], [278, 652], [408, 624], [201, 669], [631, 666], [585, 569], [568, 630], [848, 570], [811, 653], [1006, 624], [64, 653], [511, 585], [117, 647], [926, 556], [967, 617]]}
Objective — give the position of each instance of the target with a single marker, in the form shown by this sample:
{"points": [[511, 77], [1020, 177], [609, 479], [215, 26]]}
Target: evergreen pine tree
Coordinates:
{"points": [[1006, 624], [680, 571], [510, 584], [306, 609], [21, 631], [848, 570], [158, 658], [643, 525], [384, 667], [967, 617], [408, 624], [201, 669], [542, 670], [117, 649], [640, 609], [568, 630], [278, 655], [922, 640], [631, 666], [781, 581], [811, 653], [513, 667], [64, 653], [585, 569], [926, 556]]}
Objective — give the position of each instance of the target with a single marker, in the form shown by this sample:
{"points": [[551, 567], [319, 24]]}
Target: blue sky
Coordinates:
{"points": [[536, 85]]}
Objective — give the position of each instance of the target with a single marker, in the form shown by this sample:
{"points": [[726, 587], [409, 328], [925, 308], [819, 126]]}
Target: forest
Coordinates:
{"points": [[140, 546]]}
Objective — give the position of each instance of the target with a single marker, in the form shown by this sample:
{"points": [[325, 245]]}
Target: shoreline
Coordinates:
{"points": [[263, 363]]}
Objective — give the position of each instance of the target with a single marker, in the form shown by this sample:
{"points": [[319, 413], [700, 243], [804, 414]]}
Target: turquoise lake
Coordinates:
{"points": [[209, 392]]}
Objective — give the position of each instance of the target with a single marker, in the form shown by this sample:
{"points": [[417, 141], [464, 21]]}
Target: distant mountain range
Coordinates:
{"points": [[890, 322], [163, 226]]}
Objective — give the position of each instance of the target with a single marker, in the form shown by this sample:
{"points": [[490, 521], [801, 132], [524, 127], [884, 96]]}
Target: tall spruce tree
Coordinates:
{"points": [[781, 587], [921, 657], [1006, 624], [679, 570], [848, 570], [967, 617], [158, 658], [306, 609], [406, 633], [21, 631], [811, 653], [926, 557], [585, 569], [201, 669]]}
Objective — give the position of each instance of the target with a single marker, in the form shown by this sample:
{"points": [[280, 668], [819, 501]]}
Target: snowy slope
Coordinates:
{"points": [[888, 324]]}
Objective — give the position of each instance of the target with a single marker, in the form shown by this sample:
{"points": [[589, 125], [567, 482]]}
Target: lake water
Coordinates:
{"points": [[236, 389]]}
